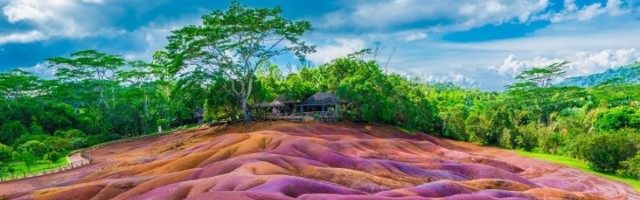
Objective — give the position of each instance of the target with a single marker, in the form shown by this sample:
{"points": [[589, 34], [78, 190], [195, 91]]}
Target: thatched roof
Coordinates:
{"points": [[321, 98], [276, 103]]}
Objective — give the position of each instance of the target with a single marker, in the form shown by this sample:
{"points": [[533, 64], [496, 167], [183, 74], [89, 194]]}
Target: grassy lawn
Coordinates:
{"points": [[37, 168], [575, 163]]}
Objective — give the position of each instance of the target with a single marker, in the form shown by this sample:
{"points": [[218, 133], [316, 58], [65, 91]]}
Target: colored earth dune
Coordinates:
{"points": [[304, 161]]}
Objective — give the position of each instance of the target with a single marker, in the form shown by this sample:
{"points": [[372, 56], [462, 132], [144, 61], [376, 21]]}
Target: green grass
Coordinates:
{"points": [[37, 168], [578, 164]]}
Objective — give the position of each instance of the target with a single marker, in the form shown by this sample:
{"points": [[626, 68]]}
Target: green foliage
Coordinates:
{"points": [[631, 167], [605, 151], [36, 129], [617, 118], [5, 153], [485, 124], [10, 131], [53, 156], [37, 148], [28, 158], [254, 35], [543, 77], [163, 123]]}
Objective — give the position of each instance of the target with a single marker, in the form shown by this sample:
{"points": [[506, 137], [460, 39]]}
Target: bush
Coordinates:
{"points": [[631, 167], [5, 153], [53, 156], [37, 148], [59, 144], [526, 137], [617, 118], [78, 143], [164, 123], [29, 137], [605, 151]]}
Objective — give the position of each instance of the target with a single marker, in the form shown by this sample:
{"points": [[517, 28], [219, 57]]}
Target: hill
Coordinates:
{"points": [[624, 74], [279, 160]]}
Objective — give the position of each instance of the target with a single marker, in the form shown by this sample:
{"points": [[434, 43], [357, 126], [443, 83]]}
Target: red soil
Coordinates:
{"points": [[278, 160]]}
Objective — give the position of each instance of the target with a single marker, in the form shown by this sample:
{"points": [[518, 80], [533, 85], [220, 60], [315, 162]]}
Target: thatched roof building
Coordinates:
{"points": [[320, 99], [276, 103]]}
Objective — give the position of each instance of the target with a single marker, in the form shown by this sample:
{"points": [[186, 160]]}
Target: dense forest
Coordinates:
{"points": [[222, 67]]}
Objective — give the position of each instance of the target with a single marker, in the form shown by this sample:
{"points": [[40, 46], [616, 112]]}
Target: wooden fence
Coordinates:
{"points": [[318, 116], [86, 159]]}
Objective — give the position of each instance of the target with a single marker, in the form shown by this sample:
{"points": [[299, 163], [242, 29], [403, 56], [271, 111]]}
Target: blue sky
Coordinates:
{"points": [[474, 43]]}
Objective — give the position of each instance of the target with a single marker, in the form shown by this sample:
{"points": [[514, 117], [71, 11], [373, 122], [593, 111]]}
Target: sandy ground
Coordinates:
{"points": [[151, 159]]}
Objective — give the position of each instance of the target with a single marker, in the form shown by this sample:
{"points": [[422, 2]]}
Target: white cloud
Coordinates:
{"points": [[581, 63], [338, 48], [451, 77], [58, 18], [410, 37], [587, 12], [154, 34], [512, 66], [41, 70], [460, 15], [22, 37]]}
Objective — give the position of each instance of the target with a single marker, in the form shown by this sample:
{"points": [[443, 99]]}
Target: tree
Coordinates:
{"points": [[10, 131], [28, 158], [617, 118], [18, 83], [235, 43], [543, 77], [90, 68], [606, 151], [35, 147]]}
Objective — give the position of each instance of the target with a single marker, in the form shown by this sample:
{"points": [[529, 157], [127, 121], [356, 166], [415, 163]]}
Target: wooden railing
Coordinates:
{"points": [[86, 159], [319, 116]]}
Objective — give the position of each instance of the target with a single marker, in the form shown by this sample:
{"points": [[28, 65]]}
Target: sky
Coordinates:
{"points": [[473, 43]]}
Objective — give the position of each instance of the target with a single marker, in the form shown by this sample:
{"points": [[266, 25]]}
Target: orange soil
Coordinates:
{"points": [[280, 160]]}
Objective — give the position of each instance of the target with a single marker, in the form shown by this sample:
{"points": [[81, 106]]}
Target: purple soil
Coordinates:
{"points": [[305, 161]]}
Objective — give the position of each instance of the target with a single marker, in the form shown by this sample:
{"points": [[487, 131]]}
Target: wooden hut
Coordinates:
{"points": [[320, 102], [323, 107]]}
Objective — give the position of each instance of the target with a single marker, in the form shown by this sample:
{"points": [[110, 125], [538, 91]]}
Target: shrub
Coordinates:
{"points": [[29, 137], [631, 167], [78, 143], [52, 156], [617, 118], [605, 151], [59, 144], [163, 122], [37, 148], [5, 153], [526, 137]]}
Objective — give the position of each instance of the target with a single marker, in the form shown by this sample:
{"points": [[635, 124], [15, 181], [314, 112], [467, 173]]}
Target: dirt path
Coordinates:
{"points": [[149, 149]]}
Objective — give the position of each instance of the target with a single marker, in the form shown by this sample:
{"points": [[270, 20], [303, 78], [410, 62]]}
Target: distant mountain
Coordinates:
{"points": [[625, 74]]}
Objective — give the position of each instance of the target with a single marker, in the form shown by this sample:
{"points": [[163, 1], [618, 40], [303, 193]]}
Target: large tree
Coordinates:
{"points": [[234, 44], [97, 70], [543, 77]]}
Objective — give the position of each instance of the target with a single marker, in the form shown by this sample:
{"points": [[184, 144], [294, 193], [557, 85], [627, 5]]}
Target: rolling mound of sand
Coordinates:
{"points": [[304, 161]]}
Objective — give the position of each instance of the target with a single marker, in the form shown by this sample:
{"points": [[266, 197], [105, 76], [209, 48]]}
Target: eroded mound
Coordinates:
{"points": [[308, 162]]}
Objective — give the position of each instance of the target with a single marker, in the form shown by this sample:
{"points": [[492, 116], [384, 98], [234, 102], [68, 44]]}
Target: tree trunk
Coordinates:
{"points": [[248, 116]]}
